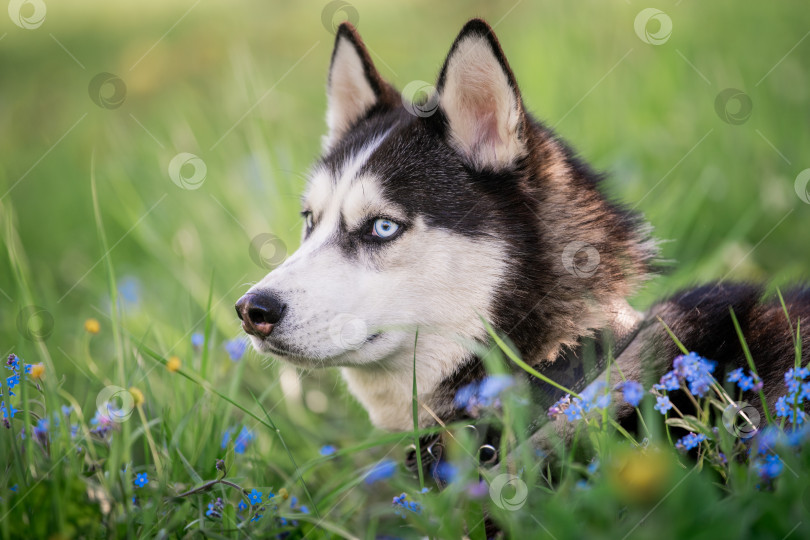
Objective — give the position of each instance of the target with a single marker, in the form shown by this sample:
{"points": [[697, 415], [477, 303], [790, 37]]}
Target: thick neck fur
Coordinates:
{"points": [[443, 365], [580, 255], [386, 391]]}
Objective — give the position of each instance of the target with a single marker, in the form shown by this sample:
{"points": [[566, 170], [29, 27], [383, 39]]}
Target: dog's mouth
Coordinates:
{"points": [[277, 349], [269, 345]]}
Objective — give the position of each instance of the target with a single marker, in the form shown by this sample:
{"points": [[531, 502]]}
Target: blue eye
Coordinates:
{"points": [[384, 228]]}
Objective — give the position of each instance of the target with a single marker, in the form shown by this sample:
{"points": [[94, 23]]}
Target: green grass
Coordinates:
{"points": [[91, 219]]}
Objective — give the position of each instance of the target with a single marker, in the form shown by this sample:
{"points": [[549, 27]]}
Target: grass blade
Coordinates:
{"points": [[519, 361], [674, 338], [416, 442], [207, 331], [750, 360]]}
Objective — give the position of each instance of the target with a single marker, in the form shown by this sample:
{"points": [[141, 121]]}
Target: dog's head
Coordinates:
{"points": [[399, 230], [435, 214]]}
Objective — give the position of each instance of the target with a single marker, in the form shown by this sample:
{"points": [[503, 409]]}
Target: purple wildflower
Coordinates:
{"points": [[235, 348], [445, 471], [401, 502], [41, 431], [13, 362], [767, 439], [255, 496], [242, 440], [690, 441], [632, 392], [482, 394], [328, 450], [382, 470], [735, 375], [750, 382], [492, 387], [668, 382], [10, 411], [477, 490], [663, 404], [692, 368], [240, 443], [768, 467], [574, 411], [141, 479], [560, 406], [791, 405], [215, 509]]}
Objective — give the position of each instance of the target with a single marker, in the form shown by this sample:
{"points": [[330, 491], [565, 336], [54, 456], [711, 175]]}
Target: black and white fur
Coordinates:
{"points": [[499, 220]]}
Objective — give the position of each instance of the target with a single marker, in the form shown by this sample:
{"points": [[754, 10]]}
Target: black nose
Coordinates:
{"points": [[259, 312]]}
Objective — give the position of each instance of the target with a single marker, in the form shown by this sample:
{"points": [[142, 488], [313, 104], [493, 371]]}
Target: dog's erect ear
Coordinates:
{"points": [[480, 99], [354, 86]]}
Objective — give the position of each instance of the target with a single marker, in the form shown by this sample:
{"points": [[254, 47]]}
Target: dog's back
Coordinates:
{"points": [[701, 318]]}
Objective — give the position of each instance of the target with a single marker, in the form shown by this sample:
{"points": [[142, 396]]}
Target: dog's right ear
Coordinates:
{"points": [[354, 87]]}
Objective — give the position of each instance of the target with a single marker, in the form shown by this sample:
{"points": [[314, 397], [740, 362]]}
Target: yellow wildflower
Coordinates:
{"points": [[92, 326], [38, 371], [137, 396], [173, 364]]}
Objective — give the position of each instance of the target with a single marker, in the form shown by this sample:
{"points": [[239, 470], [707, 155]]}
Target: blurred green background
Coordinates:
{"points": [[241, 85]]}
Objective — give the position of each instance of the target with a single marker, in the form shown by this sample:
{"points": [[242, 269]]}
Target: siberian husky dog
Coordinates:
{"points": [[462, 208]]}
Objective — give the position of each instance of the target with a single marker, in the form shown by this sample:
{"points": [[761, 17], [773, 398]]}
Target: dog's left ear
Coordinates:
{"points": [[355, 87], [480, 99]]}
